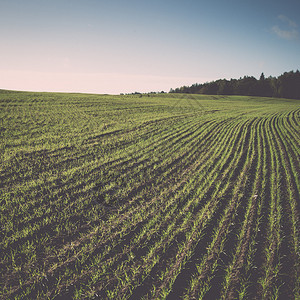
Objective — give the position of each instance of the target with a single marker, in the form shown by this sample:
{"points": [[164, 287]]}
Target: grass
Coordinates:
{"points": [[155, 197]]}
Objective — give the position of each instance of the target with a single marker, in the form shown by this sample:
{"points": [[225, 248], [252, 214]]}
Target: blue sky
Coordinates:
{"points": [[114, 46]]}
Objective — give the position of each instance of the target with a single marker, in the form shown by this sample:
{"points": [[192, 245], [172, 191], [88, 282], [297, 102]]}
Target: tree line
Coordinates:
{"points": [[286, 85]]}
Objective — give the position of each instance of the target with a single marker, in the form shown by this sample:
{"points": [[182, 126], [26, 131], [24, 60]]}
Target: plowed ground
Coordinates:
{"points": [[164, 196]]}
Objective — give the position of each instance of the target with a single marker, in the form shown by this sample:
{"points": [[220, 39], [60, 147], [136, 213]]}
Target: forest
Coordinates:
{"points": [[286, 85]]}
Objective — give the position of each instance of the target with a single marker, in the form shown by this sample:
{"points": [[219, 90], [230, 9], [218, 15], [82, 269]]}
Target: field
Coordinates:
{"points": [[164, 196]]}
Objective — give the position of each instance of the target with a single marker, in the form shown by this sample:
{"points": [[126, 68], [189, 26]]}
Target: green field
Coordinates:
{"points": [[166, 196]]}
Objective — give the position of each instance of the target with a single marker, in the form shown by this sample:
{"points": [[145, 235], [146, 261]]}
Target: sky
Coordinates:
{"points": [[118, 46]]}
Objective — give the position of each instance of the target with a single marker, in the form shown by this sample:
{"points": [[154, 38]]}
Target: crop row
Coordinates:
{"points": [[170, 197]]}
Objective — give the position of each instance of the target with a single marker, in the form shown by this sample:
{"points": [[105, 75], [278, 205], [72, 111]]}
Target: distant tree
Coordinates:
{"points": [[262, 77], [274, 86], [224, 87], [264, 86], [247, 86], [287, 85]]}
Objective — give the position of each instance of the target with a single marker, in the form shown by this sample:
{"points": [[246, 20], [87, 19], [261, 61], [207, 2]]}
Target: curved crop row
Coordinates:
{"points": [[163, 197]]}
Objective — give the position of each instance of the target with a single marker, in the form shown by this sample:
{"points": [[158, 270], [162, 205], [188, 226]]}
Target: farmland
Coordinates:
{"points": [[166, 196]]}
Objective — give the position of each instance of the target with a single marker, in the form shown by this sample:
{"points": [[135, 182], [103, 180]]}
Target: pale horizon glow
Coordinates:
{"points": [[112, 47], [72, 82]]}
